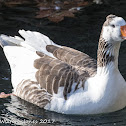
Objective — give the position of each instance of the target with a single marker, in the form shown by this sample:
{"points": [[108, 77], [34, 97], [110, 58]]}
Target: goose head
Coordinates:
{"points": [[114, 29]]}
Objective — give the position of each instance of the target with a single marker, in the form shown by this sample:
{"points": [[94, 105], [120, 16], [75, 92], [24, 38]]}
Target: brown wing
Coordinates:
{"points": [[70, 66], [53, 73], [31, 92], [74, 58]]}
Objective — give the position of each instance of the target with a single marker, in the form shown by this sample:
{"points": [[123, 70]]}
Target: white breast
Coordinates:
{"points": [[102, 93]]}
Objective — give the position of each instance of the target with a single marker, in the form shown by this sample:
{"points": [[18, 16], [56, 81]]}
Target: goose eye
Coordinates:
{"points": [[113, 26]]}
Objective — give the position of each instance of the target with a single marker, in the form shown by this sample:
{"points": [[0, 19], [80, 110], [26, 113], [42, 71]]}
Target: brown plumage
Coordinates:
{"points": [[69, 67], [104, 58], [31, 92]]}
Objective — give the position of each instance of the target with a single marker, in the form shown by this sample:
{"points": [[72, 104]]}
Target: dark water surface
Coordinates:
{"points": [[82, 33]]}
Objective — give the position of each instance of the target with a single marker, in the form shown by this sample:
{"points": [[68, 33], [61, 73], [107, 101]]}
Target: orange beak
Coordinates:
{"points": [[123, 31]]}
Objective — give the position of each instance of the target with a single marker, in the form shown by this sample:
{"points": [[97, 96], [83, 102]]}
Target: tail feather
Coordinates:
{"points": [[34, 41], [3, 43], [15, 40]]}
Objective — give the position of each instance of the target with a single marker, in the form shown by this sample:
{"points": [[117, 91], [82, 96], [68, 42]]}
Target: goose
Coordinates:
{"points": [[61, 79]]}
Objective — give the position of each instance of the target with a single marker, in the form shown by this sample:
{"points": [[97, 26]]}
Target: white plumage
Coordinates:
{"points": [[103, 92]]}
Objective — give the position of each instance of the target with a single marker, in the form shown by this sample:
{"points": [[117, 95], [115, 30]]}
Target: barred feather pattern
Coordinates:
{"points": [[77, 59], [31, 92], [69, 67], [104, 56]]}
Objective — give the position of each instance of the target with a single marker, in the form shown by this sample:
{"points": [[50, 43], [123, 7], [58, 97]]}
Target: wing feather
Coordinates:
{"points": [[53, 73], [56, 72], [31, 92], [74, 58]]}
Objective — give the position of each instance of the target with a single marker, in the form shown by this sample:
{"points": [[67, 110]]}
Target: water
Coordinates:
{"points": [[81, 33]]}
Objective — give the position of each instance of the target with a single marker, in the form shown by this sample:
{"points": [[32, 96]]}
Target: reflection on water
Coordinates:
{"points": [[19, 112], [80, 33]]}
